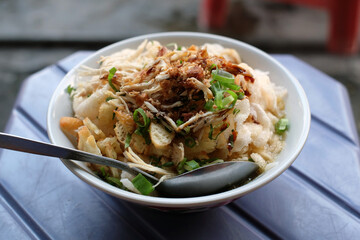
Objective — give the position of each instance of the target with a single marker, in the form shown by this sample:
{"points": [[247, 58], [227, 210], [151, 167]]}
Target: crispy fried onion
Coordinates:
{"points": [[136, 161]]}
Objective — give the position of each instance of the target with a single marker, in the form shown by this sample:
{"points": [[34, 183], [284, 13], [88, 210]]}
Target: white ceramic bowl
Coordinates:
{"points": [[297, 111]]}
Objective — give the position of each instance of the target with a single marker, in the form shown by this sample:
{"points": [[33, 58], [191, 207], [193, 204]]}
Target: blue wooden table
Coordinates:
{"points": [[318, 197]]}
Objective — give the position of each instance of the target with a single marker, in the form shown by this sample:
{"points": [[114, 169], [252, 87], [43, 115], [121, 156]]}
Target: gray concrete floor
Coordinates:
{"points": [[37, 33]]}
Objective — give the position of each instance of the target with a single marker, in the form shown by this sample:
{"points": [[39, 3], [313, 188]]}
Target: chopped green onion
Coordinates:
{"points": [[185, 131], [226, 101], [180, 166], [127, 140], [114, 181], [171, 44], [70, 89], [191, 165], [109, 98], [110, 77], [209, 105], [168, 164], [231, 100], [236, 111], [147, 138], [232, 86], [179, 122], [213, 66], [190, 142], [146, 119], [142, 184], [281, 126], [241, 95], [222, 76], [214, 162], [154, 160], [103, 173], [223, 127], [231, 139]]}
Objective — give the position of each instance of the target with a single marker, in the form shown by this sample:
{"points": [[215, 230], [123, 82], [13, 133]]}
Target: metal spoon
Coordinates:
{"points": [[202, 181]]}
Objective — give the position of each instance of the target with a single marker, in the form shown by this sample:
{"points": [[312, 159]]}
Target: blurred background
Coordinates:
{"points": [[38, 33]]}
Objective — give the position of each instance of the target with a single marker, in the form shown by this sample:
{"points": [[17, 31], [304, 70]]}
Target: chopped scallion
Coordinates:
{"points": [[191, 165], [146, 120], [109, 98], [127, 140], [213, 66], [69, 89], [168, 164], [222, 76], [209, 105], [241, 95], [154, 160], [214, 162], [180, 166], [142, 184], [190, 142], [222, 127], [179, 122], [281, 126], [114, 181], [110, 77], [236, 111]]}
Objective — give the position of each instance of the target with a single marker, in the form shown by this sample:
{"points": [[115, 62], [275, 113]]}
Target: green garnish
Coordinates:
{"points": [[220, 100], [143, 123], [222, 127], [111, 180], [281, 126], [213, 162], [110, 77], [236, 111], [241, 95], [214, 65], [190, 142], [222, 76], [115, 182], [70, 89], [103, 173], [127, 140], [209, 105], [142, 184], [145, 119], [224, 90], [168, 164], [179, 122], [180, 167], [191, 165], [154, 160], [109, 98]]}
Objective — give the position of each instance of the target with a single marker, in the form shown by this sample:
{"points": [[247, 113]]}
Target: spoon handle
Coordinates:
{"points": [[21, 144]]}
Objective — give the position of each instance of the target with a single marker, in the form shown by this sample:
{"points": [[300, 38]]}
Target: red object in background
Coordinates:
{"points": [[344, 20], [213, 13]]}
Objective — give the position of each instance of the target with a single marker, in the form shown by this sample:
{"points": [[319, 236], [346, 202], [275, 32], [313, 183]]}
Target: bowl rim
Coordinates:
{"points": [[192, 201]]}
